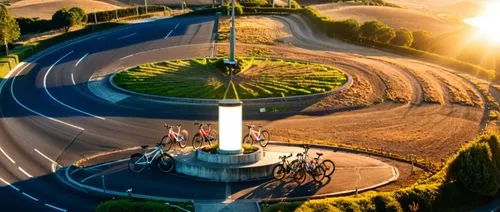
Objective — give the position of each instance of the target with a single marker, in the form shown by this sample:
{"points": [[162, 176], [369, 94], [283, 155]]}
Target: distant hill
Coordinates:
{"points": [[45, 8]]}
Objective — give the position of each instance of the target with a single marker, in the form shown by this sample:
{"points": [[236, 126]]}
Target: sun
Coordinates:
{"points": [[487, 23]]}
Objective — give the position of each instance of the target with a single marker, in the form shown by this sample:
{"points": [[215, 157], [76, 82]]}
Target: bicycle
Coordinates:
{"points": [[284, 169], [172, 137], [210, 135], [312, 168], [328, 165], [261, 136], [139, 161]]}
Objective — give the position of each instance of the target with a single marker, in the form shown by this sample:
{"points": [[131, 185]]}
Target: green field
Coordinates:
{"points": [[205, 78]]}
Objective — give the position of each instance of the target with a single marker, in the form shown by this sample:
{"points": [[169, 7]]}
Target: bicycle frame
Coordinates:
{"points": [[158, 151], [174, 135], [255, 134]]}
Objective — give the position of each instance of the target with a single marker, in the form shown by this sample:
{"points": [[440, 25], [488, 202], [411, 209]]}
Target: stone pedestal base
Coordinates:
{"points": [[227, 168]]}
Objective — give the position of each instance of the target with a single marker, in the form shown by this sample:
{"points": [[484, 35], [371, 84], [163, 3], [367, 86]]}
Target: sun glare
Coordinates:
{"points": [[487, 23]]}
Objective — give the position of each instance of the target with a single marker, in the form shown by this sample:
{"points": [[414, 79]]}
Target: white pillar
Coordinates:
{"points": [[230, 121]]}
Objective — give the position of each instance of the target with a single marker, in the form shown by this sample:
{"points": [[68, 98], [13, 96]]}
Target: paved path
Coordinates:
{"points": [[353, 171]]}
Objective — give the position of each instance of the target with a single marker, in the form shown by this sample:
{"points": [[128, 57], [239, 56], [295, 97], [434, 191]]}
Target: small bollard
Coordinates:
{"points": [[129, 192], [412, 159]]}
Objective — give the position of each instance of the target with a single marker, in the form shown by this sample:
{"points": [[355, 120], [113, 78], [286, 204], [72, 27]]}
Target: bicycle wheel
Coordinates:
{"points": [[166, 163], [137, 163], [279, 172], [328, 166], [183, 139], [300, 175], [167, 143], [264, 138], [247, 139], [197, 141], [318, 174], [215, 137]]}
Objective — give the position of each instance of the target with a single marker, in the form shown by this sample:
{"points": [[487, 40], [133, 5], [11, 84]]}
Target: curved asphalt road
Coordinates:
{"points": [[50, 118]]}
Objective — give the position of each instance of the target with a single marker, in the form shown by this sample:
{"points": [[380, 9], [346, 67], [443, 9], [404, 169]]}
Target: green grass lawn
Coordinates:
{"points": [[204, 79]]}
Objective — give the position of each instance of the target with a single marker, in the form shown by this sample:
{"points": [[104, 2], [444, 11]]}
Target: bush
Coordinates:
{"points": [[475, 168], [348, 29], [386, 34], [131, 205], [404, 37], [420, 39], [376, 31], [81, 16], [386, 203], [65, 19], [110, 15], [253, 3], [34, 25]]}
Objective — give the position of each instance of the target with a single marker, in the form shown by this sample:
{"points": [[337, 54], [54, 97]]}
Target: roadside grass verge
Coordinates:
{"points": [[468, 179], [207, 78], [129, 204]]}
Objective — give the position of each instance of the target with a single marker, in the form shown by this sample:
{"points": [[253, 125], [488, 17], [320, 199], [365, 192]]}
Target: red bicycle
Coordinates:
{"points": [[172, 137], [207, 134], [261, 136]]}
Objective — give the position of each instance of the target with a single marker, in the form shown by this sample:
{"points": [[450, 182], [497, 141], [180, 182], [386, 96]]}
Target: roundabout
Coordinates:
{"points": [[59, 107], [353, 173]]}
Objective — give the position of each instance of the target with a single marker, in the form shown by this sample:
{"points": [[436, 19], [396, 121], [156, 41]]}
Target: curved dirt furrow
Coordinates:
{"points": [[417, 91], [399, 88]]}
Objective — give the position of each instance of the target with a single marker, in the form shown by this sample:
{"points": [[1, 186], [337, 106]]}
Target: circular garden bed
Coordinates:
{"points": [[210, 79]]}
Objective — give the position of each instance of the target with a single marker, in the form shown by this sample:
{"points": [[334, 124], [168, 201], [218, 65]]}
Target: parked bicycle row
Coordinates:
{"points": [[302, 165], [207, 135]]}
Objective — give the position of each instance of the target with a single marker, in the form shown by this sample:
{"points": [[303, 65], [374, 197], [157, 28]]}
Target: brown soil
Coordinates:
{"points": [[44, 9], [417, 126]]}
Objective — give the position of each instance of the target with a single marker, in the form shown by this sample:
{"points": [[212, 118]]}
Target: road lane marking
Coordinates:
{"points": [[108, 163], [8, 184], [176, 26], [29, 196], [29, 109], [73, 79], [54, 207], [169, 34], [50, 95], [123, 58], [54, 163], [24, 172], [80, 60], [126, 36], [8, 157]]}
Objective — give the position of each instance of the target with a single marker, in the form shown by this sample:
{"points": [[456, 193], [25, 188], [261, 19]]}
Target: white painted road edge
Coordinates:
{"points": [[8, 184], [7, 156], [24, 172], [126, 36], [80, 60], [52, 97]]}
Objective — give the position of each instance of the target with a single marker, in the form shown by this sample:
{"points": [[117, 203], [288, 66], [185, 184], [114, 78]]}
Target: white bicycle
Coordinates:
{"points": [[139, 161]]}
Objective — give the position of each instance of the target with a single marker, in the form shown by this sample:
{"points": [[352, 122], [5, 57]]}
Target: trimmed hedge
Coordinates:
{"points": [[139, 205], [34, 25], [110, 15]]}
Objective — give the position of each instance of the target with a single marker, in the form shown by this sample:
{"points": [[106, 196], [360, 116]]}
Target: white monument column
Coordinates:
{"points": [[230, 121]]}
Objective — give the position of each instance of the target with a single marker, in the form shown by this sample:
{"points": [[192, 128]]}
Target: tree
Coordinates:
{"points": [[63, 18], [386, 34], [476, 170], [420, 39], [372, 29], [404, 37], [347, 29], [80, 13], [9, 29]]}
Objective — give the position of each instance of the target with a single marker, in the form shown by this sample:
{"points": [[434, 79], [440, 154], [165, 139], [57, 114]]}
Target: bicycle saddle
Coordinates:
{"points": [[319, 154], [144, 146]]}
